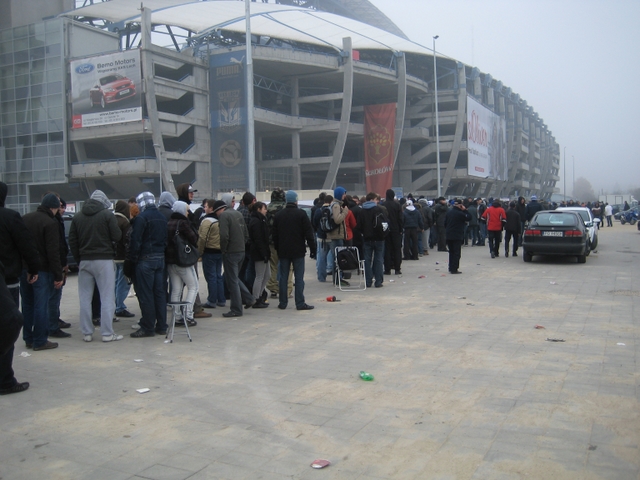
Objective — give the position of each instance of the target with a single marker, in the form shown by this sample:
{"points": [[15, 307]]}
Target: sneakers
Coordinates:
{"points": [[304, 306], [230, 314], [260, 304], [96, 322], [59, 334], [250, 303], [47, 346], [111, 338], [141, 334], [202, 314], [62, 324], [17, 388], [88, 338], [208, 305], [125, 314]]}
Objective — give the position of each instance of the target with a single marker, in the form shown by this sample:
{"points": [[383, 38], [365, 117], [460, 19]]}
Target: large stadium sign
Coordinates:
{"points": [[486, 142], [106, 89]]}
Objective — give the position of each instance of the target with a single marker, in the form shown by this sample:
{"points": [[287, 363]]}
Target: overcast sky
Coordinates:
{"points": [[577, 63]]}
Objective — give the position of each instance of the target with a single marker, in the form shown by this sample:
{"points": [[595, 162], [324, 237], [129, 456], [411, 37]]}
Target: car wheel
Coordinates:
{"points": [[527, 257], [582, 259], [632, 221], [622, 221], [595, 245], [102, 102]]}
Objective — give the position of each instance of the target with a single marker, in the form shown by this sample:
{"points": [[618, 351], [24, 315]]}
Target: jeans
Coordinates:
{"points": [[321, 258], [474, 234], [7, 378], [179, 277], [247, 273], [284, 266], [237, 290], [54, 309], [609, 224], [373, 262], [212, 268], [411, 247], [35, 308], [100, 273], [152, 293], [122, 288], [483, 233]]}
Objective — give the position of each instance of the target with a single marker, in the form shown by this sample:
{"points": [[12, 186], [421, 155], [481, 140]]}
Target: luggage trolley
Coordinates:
{"points": [[347, 259]]}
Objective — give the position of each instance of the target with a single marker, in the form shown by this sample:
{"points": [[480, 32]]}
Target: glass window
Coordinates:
{"points": [[6, 58], [41, 176], [56, 160], [21, 57], [56, 137], [52, 26], [10, 165], [54, 100], [54, 75], [40, 126], [8, 94], [53, 50], [22, 92], [41, 163], [57, 175], [22, 80], [54, 87], [55, 112]]}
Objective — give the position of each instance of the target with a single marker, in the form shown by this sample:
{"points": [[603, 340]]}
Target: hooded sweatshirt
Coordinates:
{"points": [[93, 231]]}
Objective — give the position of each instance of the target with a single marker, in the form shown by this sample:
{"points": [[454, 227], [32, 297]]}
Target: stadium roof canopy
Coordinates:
{"points": [[270, 20]]}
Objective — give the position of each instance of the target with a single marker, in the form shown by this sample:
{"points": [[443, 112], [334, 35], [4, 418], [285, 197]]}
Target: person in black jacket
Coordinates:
{"points": [[181, 276], [440, 211], [291, 228], [259, 251], [393, 242], [373, 239], [454, 222], [55, 323], [512, 229], [18, 246], [413, 226], [35, 295]]}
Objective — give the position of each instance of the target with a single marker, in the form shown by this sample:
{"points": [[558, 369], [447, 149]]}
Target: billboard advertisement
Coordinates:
{"points": [[228, 104], [106, 89], [486, 142], [379, 130]]}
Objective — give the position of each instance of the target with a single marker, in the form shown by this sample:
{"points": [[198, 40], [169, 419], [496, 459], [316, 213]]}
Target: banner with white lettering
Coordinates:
{"points": [[106, 89], [379, 132], [228, 104], [486, 142]]}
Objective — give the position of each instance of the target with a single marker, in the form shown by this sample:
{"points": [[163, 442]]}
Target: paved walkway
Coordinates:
{"points": [[465, 386]]}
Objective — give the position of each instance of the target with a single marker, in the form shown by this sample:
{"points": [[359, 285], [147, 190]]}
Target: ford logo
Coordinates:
{"points": [[84, 68]]}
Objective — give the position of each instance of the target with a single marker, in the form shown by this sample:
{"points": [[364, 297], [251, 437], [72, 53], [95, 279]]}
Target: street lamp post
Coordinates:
{"points": [[573, 187], [564, 176], [435, 89]]}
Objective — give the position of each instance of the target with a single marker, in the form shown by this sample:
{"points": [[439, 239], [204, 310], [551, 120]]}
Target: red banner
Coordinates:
{"points": [[379, 128]]}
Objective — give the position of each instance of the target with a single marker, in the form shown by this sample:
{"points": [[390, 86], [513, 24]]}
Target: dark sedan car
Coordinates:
{"points": [[556, 233], [110, 89]]}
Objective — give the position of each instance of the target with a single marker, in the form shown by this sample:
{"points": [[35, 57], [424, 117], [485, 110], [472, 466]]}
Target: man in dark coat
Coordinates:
{"points": [[17, 246], [512, 229], [532, 208], [454, 222], [291, 228], [373, 239], [35, 296], [393, 242]]}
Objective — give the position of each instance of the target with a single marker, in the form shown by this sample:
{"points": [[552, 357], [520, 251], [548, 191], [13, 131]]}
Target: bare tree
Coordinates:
{"points": [[583, 190]]}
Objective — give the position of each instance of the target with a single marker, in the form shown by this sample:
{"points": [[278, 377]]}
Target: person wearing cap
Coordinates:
{"points": [[454, 222], [234, 235], [209, 248], [92, 234], [413, 225], [393, 241], [35, 296], [146, 251], [532, 208], [291, 230]]}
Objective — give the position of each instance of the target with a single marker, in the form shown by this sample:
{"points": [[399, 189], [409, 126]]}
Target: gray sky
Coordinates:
{"points": [[577, 63]]}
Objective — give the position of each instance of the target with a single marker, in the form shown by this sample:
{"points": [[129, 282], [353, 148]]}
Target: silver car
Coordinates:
{"points": [[590, 222]]}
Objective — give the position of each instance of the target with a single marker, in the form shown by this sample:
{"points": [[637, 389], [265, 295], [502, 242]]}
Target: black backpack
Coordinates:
{"points": [[380, 226], [347, 259], [326, 220]]}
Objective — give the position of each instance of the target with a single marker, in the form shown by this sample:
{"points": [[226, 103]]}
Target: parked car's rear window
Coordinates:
{"points": [[555, 220]]}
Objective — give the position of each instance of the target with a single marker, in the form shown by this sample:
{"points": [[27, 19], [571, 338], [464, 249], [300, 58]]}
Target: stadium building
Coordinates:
{"points": [[124, 99]]}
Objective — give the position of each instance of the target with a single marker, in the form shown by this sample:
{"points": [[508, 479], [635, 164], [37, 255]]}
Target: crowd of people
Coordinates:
{"points": [[248, 254]]}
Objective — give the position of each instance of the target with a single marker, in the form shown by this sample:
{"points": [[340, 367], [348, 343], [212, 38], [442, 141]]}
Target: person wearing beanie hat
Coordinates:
{"points": [[234, 236], [209, 248], [413, 226], [55, 323], [181, 276], [94, 230], [36, 292], [439, 211], [278, 202], [455, 221], [291, 229], [146, 251], [291, 197], [532, 208]]}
